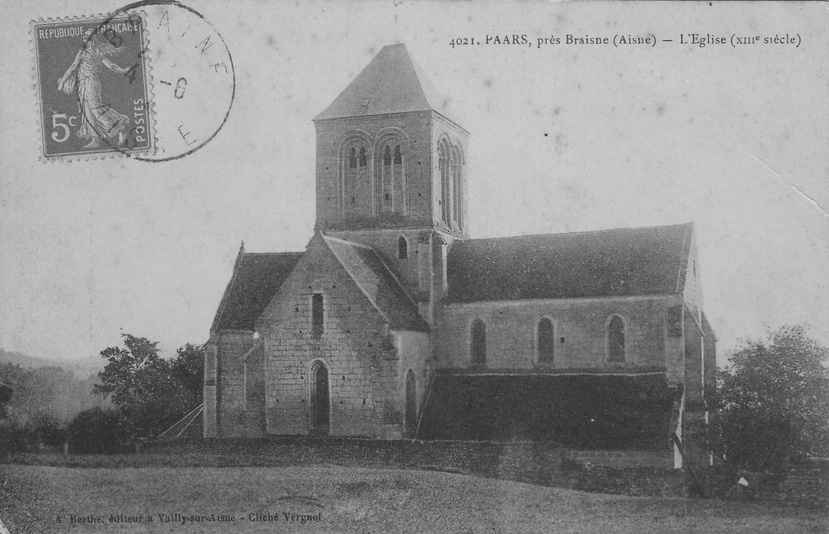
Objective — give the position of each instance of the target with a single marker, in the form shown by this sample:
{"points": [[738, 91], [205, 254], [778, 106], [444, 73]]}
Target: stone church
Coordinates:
{"points": [[395, 324]]}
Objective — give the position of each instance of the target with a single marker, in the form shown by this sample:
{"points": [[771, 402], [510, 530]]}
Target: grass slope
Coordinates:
{"points": [[357, 500]]}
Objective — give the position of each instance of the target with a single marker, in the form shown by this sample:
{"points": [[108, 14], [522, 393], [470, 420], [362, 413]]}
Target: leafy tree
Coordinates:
{"points": [[151, 393], [188, 371], [773, 399]]}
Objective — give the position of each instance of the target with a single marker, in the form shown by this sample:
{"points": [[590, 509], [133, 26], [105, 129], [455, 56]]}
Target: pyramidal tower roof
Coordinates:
{"points": [[391, 83]]}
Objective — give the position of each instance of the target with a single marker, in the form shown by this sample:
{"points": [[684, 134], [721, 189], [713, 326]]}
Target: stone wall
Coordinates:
{"points": [[580, 327], [231, 349], [355, 346], [532, 462], [591, 458], [806, 485]]}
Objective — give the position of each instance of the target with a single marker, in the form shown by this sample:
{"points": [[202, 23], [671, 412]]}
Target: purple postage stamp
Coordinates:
{"points": [[93, 84]]}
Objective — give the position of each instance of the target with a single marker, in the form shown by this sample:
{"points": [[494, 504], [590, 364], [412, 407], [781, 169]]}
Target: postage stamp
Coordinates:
{"points": [[94, 87]]}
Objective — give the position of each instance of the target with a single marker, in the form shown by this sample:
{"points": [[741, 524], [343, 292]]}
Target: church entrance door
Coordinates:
{"points": [[320, 405]]}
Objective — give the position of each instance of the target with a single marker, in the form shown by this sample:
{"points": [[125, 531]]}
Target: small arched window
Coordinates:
{"points": [[317, 315], [478, 338], [398, 156], [402, 248], [363, 157], [352, 159], [387, 155], [616, 340], [546, 341]]}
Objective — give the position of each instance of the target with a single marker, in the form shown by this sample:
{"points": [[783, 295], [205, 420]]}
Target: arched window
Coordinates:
{"points": [[320, 400], [317, 315], [445, 168], [457, 187], [478, 338], [402, 248], [616, 340], [386, 189], [398, 156], [546, 341], [356, 182]]}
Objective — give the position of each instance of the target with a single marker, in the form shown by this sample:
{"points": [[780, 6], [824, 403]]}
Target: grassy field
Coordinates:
{"points": [[342, 499]]}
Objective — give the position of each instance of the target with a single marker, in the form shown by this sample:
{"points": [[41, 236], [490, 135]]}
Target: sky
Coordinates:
{"points": [[563, 138]]}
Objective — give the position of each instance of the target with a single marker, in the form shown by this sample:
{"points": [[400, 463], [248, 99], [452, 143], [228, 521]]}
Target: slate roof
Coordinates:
{"points": [[256, 279], [378, 283], [391, 83], [607, 263], [581, 411]]}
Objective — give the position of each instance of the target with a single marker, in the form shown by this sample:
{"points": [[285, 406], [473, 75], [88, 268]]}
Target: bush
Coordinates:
{"points": [[14, 437], [96, 431], [48, 432]]}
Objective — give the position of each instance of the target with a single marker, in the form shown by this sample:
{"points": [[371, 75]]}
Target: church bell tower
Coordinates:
{"points": [[389, 158]]}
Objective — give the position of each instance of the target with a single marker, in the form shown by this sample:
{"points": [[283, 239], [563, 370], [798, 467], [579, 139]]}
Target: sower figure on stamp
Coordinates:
{"points": [[98, 120]]}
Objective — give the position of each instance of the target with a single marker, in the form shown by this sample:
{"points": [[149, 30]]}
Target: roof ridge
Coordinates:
{"points": [[384, 265], [354, 243], [272, 253], [353, 277], [581, 232]]}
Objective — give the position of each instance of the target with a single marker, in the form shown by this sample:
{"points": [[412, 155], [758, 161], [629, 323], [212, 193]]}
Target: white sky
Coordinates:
{"points": [[563, 138]]}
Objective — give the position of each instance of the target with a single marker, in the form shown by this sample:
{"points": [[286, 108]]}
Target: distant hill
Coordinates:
{"points": [[59, 389], [81, 369]]}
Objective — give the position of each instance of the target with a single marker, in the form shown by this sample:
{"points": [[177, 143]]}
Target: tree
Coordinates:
{"points": [[188, 371], [773, 400], [151, 393]]}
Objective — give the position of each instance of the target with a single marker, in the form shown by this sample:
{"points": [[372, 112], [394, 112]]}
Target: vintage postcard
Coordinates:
{"points": [[414, 266]]}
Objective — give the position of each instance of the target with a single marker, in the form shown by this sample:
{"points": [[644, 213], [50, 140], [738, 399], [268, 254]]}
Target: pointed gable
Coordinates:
{"points": [[391, 83], [608, 263], [256, 279]]}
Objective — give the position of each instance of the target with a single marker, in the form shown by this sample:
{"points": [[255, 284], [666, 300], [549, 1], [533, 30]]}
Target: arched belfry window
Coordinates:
{"points": [[391, 187], [616, 339], [546, 341], [402, 248], [457, 186], [445, 168], [478, 342], [356, 186]]}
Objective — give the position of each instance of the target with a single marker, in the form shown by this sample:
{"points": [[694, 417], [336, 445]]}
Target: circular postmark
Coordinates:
{"points": [[153, 80], [192, 75]]}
